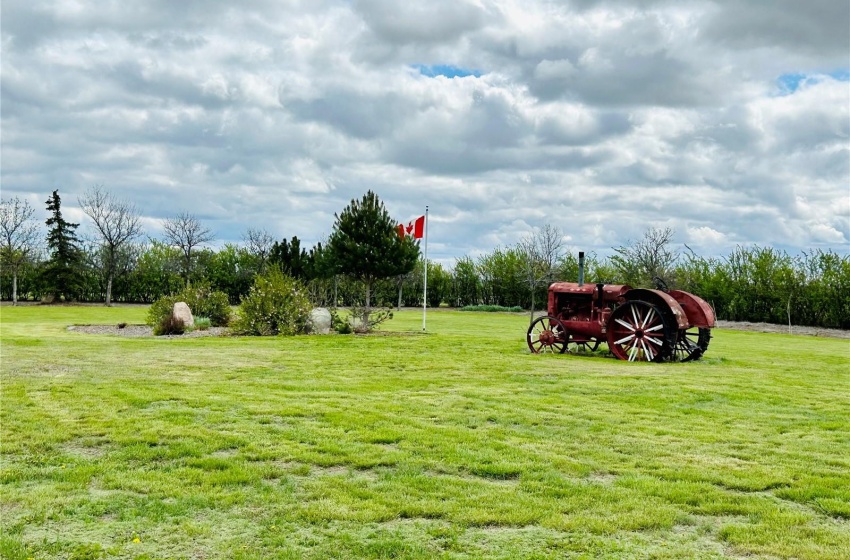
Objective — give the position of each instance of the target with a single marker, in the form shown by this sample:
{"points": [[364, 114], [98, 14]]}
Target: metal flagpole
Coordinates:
{"points": [[425, 294]]}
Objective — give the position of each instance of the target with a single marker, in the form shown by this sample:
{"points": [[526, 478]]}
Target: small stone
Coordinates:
{"points": [[320, 321], [181, 311]]}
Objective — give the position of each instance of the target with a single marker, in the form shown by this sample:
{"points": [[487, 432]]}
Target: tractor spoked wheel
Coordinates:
{"points": [[547, 334], [691, 344], [639, 332]]}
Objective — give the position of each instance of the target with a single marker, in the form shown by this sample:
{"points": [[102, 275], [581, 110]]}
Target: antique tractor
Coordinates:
{"points": [[637, 324]]}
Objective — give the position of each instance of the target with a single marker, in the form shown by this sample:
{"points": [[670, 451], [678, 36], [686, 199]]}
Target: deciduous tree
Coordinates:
{"points": [[541, 252], [20, 234], [186, 233], [639, 262], [117, 223], [259, 242]]}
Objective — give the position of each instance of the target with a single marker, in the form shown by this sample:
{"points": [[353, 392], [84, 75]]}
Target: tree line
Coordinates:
{"points": [[118, 264]]}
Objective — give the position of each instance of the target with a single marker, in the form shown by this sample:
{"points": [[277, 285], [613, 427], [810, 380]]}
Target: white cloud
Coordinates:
{"points": [[706, 236], [603, 117]]}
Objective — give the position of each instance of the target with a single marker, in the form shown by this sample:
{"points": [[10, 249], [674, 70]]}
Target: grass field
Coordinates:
{"points": [[453, 444]]}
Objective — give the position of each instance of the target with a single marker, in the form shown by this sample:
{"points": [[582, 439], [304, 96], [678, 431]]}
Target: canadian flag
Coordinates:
{"points": [[415, 228]]}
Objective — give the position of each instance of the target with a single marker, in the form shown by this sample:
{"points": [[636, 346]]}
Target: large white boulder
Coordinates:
{"points": [[320, 321], [181, 311]]}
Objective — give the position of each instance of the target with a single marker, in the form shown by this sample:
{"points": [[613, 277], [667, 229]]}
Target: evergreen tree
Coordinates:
{"points": [[365, 244], [62, 276], [291, 258]]}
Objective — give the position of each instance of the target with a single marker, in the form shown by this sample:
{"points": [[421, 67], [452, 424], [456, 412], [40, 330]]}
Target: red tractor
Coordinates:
{"points": [[638, 324]]}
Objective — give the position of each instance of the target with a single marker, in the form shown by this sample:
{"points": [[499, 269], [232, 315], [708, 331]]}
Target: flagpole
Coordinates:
{"points": [[425, 294]]}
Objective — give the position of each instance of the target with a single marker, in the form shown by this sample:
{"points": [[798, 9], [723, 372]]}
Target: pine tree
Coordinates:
{"points": [[365, 244], [62, 276], [291, 258]]}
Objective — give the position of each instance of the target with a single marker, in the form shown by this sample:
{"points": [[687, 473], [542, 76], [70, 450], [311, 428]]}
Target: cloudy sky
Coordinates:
{"points": [[727, 120]]}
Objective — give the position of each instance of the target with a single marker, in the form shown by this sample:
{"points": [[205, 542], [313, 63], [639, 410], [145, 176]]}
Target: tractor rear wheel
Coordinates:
{"points": [[638, 331], [691, 344], [547, 334]]}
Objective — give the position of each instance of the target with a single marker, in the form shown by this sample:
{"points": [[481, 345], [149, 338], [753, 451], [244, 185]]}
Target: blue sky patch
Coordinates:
{"points": [[841, 75], [446, 70], [789, 83]]}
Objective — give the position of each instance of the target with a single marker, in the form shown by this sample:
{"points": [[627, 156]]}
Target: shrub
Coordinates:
{"points": [[201, 300], [338, 323], [276, 304], [161, 309], [204, 302], [169, 325], [202, 323], [492, 308]]}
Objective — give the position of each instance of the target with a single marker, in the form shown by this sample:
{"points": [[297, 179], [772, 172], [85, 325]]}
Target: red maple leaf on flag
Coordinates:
{"points": [[414, 228]]}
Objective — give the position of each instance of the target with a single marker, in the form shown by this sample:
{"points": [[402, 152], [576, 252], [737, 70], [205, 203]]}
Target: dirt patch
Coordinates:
{"points": [[783, 329]]}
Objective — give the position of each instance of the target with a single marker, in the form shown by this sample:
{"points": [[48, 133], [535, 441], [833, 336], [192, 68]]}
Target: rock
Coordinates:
{"points": [[181, 311], [320, 321]]}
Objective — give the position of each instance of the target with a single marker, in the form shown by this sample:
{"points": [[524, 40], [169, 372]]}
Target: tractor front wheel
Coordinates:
{"points": [[639, 332], [547, 334]]}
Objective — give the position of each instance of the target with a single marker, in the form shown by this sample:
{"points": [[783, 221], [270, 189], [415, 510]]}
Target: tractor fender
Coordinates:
{"points": [[699, 312], [662, 300]]}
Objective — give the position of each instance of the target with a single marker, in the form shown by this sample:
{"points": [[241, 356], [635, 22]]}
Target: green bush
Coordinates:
{"points": [[276, 304], [202, 301], [202, 323], [340, 324], [161, 309], [493, 308]]}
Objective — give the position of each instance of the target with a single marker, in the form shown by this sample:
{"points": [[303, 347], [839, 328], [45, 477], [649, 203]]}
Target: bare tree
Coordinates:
{"points": [[640, 262], [259, 243], [117, 223], [20, 235], [185, 232], [542, 252]]}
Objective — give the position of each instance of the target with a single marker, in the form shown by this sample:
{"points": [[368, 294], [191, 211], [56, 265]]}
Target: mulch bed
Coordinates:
{"points": [[142, 330]]}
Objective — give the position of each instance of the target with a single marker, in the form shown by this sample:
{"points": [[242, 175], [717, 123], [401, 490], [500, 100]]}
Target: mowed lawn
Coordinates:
{"points": [[453, 444]]}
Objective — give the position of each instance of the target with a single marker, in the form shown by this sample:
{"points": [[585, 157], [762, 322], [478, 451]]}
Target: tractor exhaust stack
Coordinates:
{"points": [[581, 268]]}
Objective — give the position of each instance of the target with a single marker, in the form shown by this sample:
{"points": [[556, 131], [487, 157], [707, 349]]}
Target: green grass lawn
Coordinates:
{"points": [[454, 444]]}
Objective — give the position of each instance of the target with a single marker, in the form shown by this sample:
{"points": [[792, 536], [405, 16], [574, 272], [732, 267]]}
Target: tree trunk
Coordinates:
{"points": [[109, 291], [368, 295], [400, 286], [367, 311], [15, 287], [188, 267], [789, 315], [532, 306]]}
